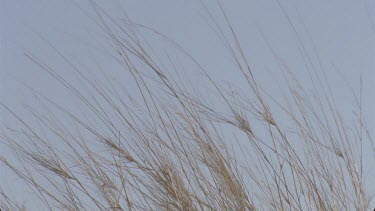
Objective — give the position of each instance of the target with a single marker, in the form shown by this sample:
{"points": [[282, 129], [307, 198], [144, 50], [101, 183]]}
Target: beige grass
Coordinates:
{"points": [[165, 148]]}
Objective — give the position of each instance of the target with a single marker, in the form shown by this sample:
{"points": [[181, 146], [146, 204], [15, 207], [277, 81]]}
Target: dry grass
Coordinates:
{"points": [[163, 148]]}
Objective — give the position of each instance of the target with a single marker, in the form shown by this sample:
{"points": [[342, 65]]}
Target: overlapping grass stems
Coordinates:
{"points": [[166, 149]]}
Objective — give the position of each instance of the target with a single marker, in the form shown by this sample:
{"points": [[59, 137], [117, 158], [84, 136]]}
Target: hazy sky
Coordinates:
{"points": [[341, 31]]}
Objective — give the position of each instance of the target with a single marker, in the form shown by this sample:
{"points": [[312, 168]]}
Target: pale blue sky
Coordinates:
{"points": [[341, 31]]}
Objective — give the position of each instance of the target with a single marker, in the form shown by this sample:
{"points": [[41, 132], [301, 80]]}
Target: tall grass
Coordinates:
{"points": [[164, 147]]}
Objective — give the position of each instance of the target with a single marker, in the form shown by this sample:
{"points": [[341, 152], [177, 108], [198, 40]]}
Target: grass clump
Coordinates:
{"points": [[163, 147]]}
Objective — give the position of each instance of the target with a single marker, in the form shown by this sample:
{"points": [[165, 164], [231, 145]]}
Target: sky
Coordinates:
{"points": [[341, 31]]}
